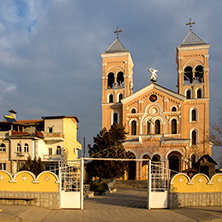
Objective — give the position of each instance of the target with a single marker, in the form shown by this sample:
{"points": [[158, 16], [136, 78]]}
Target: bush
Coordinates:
{"points": [[98, 187]]}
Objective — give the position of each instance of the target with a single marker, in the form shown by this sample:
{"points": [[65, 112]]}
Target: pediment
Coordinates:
{"points": [[156, 90]]}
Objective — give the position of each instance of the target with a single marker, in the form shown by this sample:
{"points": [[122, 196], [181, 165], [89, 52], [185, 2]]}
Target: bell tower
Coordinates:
{"points": [[193, 83], [117, 81], [193, 66]]}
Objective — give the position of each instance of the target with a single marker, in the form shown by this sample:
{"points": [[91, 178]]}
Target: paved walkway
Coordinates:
{"points": [[125, 205]]}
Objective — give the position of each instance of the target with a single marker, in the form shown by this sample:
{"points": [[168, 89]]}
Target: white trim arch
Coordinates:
{"points": [[117, 99], [201, 90], [146, 153], [108, 97], [132, 151], [112, 116], [185, 93], [174, 150], [137, 121], [173, 107], [197, 136], [174, 117], [190, 114], [156, 153], [132, 109]]}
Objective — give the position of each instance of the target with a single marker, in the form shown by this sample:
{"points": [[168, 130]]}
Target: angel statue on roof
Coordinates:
{"points": [[153, 74]]}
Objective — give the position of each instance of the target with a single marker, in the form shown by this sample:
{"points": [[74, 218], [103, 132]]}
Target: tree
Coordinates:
{"points": [[216, 132], [108, 144], [35, 166]]}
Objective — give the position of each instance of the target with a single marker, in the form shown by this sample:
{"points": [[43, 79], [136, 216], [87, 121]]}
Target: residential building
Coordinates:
{"points": [[52, 138]]}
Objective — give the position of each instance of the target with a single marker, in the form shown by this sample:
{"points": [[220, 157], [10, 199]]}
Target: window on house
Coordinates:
{"points": [[50, 129], [59, 150], [133, 110], [199, 74], [188, 94], [193, 160], [120, 80], [2, 148], [157, 127], [199, 93], [26, 148], [111, 98], [188, 75], [194, 115], [50, 151], [115, 118], [174, 126], [2, 166], [120, 97], [133, 127], [110, 80], [194, 137], [148, 127], [174, 109], [19, 148]]}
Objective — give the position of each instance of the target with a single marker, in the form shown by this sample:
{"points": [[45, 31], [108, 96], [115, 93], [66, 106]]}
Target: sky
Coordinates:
{"points": [[50, 52]]}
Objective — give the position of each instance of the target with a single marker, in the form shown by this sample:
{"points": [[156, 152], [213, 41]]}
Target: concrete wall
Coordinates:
{"points": [[200, 190], [195, 199], [42, 199]]}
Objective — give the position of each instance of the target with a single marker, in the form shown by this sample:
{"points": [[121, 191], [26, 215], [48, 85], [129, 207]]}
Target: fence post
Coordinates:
{"points": [[149, 185], [81, 182]]}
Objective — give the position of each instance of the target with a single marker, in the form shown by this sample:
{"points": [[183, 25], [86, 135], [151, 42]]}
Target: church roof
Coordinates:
{"points": [[192, 39], [116, 46]]}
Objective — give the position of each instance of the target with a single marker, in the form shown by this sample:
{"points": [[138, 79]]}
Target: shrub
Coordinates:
{"points": [[98, 187]]}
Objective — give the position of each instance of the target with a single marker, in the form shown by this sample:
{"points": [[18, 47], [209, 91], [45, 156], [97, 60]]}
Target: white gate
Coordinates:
{"points": [[158, 185], [71, 195]]}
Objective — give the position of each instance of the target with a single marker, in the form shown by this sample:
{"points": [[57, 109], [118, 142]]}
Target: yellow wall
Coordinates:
{"points": [[198, 183], [27, 181]]}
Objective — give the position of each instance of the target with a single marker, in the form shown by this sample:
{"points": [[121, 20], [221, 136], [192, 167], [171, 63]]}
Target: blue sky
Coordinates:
{"points": [[50, 60]]}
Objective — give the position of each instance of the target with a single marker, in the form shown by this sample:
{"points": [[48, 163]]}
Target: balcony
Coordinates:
{"points": [[55, 157], [53, 136]]}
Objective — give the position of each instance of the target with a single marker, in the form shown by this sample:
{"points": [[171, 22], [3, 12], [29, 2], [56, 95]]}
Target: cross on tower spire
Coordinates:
{"points": [[191, 23], [118, 31]]}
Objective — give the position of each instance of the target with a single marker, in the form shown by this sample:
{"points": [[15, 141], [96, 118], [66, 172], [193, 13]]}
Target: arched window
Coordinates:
{"points": [[133, 127], [26, 148], [157, 127], [199, 93], [58, 150], [133, 110], [120, 80], [148, 127], [174, 109], [111, 98], [174, 126], [120, 97], [188, 94], [19, 147], [2, 148], [115, 118], [110, 80], [194, 137], [199, 74], [193, 160], [188, 75], [194, 115]]}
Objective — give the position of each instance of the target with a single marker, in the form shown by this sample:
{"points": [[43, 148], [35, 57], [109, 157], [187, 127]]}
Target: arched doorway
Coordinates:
{"points": [[174, 162], [155, 168], [145, 167], [132, 167]]}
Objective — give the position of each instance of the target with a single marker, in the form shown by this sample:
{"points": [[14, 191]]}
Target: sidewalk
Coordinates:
{"points": [[125, 205]]}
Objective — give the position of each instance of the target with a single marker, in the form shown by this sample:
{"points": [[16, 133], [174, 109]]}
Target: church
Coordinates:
{"points": [[162, 125]]}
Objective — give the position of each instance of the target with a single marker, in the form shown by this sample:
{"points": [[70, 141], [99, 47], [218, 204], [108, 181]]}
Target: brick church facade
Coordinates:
{"points": [[162, 125]]}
